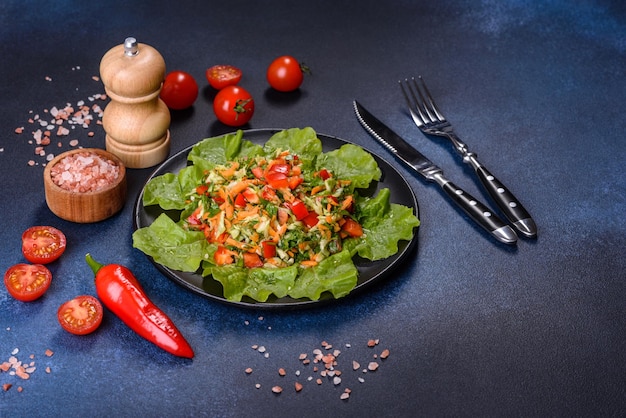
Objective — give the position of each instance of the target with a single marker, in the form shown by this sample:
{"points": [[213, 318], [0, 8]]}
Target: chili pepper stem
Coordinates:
{"points": [[95, 266]]}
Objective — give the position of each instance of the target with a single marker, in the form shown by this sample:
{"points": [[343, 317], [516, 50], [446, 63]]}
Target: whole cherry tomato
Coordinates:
{"points": [[286, 73], [27, 282], [43, 244], [179, 90], [81, 315], [233, 106], [220, 76]]}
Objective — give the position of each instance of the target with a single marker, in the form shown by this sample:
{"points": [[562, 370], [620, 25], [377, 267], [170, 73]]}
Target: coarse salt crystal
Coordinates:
{"points": [[84, 172]]}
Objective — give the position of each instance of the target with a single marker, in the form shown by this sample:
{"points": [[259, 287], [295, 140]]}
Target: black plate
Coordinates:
{"points": [[370, 272]]}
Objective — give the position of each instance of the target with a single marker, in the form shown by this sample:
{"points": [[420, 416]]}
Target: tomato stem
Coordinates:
{"points": [[95, 266]]}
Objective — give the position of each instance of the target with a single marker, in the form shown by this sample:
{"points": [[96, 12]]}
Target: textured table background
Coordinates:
{"points": [[474, 328]]}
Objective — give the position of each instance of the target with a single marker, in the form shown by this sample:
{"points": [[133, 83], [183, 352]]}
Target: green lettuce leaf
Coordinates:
{"points": [[351, 162], [221, 149], [336, 274], [384, 224], [302, 142], [257, 283], [169, 190], [170, 245]]}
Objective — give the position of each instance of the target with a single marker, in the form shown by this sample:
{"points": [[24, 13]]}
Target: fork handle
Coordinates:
{"points": [[511, 207], [480, 213]]}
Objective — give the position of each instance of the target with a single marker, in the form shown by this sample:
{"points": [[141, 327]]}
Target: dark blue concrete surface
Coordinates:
{"points": [[536, 88]]}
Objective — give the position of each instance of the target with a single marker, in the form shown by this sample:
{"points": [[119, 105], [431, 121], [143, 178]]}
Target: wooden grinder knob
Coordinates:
{"points": [[136, 121]]}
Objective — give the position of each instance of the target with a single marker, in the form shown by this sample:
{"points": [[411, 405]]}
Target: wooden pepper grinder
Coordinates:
{"points": [[136, 121]]}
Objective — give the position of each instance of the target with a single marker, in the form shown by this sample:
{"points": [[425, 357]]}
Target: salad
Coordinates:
{"points": [[282, 219]]}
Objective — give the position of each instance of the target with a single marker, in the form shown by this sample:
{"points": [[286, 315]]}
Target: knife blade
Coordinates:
{"points": [[415, 160]]}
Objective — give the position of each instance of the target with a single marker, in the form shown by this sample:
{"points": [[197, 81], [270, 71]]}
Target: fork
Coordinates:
{"points": [[430, 121]]}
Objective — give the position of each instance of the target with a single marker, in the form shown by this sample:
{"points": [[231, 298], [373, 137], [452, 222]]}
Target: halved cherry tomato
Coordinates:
{"points": [[27, 282], [220, 76], [179, 90], [81, 315], [43, 244], [252, 260], [285, 73]]}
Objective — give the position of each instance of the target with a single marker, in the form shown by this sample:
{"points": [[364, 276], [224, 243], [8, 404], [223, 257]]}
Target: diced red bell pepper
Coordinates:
{"points": [[276, 179], [310, 220], [298, 208], [269, 249]]}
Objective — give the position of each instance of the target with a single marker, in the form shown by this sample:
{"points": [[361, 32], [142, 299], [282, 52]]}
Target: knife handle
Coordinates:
{"points": [[511, 207], [480, 213]]}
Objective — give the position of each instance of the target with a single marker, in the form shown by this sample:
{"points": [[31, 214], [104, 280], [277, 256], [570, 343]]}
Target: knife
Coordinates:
{"points": [[476, 210]]}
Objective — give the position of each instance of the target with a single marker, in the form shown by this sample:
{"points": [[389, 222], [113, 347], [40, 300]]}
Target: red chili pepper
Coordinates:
{"points": [[119, 291]]}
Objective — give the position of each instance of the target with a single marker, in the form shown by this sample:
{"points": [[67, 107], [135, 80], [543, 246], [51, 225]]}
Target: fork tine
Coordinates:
{"points": [[419, 117], [429, 99]]}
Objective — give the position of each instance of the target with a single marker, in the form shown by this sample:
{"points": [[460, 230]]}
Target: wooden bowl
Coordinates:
{"points": [[85, 206]]}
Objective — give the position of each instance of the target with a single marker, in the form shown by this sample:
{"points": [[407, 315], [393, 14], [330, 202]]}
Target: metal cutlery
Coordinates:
{"points": [[476, 210], [430, 121]]}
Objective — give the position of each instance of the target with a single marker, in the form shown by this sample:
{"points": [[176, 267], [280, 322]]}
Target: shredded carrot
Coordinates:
{"points": [[238, 187], [234, 243], [347, 202], [317, 189], [230, 171]]}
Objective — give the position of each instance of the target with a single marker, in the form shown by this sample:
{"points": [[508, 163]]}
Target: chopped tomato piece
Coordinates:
{"points": [[43, 244], [269, 194], [202, 189], [27, 282], [324, 174], [276, 179], [310, 220], [250, 195], [279, 167], [258, 172], [352, 228], [81, 315], [298, 208], [269, 249], [223, 256], [294, 181], [240, 200], [252, 260]]}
